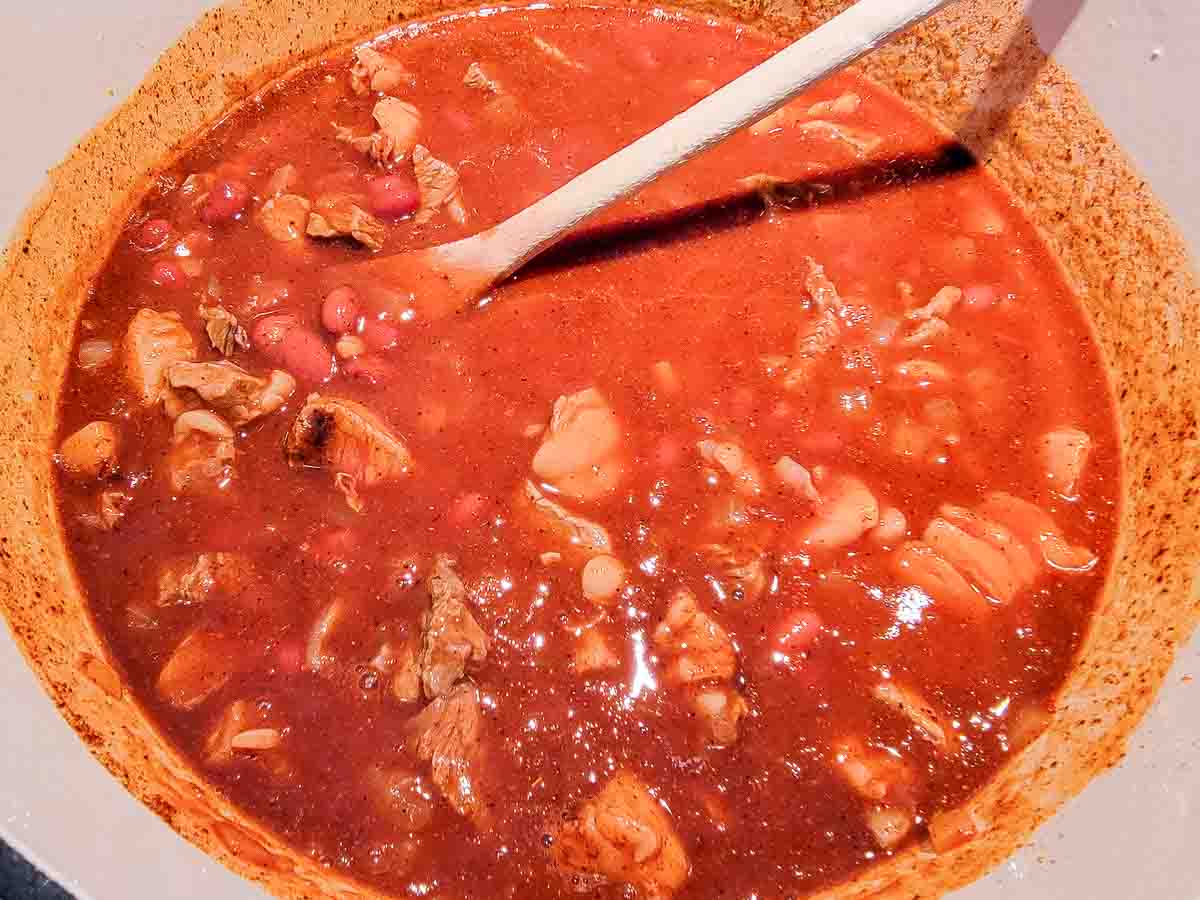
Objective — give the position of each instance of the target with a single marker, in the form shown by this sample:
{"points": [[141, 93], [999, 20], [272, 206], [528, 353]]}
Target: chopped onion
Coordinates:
{"points": [[95, 353], [256, 739]]}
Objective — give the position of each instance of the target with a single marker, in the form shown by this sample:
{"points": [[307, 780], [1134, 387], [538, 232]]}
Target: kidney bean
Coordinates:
{"points": [[293, 346], [166, 274], [152, 235], [226, 200], [339, 310], [369, 369], [393, 196], [380, 335]]}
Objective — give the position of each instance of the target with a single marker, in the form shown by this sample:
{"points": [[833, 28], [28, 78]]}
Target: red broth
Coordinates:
{"points": [[837, 447]]}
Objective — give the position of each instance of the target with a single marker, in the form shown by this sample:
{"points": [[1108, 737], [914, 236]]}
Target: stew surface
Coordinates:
{"points": [[724, 552]]}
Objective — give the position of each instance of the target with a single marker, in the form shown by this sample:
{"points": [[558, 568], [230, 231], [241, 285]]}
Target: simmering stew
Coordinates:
{"points": [[729, 549]]}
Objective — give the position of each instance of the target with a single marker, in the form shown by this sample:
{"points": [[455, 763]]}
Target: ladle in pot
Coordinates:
{"points": [[446, 278]]}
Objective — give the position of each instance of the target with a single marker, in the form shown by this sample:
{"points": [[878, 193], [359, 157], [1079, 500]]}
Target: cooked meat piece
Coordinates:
{"points": [[193, 580], [719, 709], [478, 79], [951, 828], [980, 562], [823, 292], [399, 128], [939, 306], [230, 390], [451, 639], [347, 439], [111, 507], [202, 453], [593, 654], [223, 330], [930, 722], [378, 72], [813, 343], [557, 54], [926, 333], [624, 835], [566, 528], [735, 462], [890, 825], [153, 343], [438, 184], [339, 215], [1064, 454], [91, 452], [201, 665], [580, 454], [285, 217], [874, 774], [700, 648], [847, 511], [406, 674], [738, 573], [447, 735]]}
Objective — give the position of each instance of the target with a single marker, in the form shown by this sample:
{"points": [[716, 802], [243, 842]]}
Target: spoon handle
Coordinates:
{"points": [[836, 44]]}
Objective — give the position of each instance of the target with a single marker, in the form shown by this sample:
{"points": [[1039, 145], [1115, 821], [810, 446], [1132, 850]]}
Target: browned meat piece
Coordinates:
{"points": [[399, 128], [438, 184], [230, 390], [375, 71], [201, 665], [350, 441], [91, 452], [478, 79], [223, 330], [719, 709], [285, 217], [153, 343], [700, 648], [447, 735], [339, 215], [202, 453], [740, 573], [194, 579], [565, 530], [580, 452], [624, 835], [111, 507], [451, 638], [1064, 453]]}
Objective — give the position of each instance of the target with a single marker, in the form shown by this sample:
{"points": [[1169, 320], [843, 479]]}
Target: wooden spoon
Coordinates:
{"points": [[448, 277]]}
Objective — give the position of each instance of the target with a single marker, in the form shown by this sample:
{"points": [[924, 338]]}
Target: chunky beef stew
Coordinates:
{"points": [[725, 551]]}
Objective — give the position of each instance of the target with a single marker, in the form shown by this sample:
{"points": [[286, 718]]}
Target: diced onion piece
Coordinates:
{"points": [[257, 739], [954, 827], [796, 477]]}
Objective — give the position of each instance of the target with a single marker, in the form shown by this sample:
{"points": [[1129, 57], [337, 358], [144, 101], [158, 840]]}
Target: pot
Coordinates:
{"points": [[978, 69]]}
